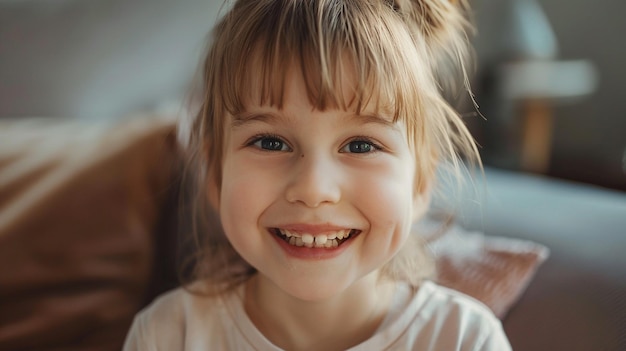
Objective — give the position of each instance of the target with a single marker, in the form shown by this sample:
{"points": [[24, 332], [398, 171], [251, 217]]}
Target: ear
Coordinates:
{"points": [[213, 191]]}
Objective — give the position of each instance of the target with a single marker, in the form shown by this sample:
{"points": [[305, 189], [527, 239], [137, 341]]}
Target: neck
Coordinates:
{"points": [[337, 323]]}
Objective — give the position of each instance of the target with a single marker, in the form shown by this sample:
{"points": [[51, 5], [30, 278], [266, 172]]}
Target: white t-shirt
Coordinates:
{"points": [[428, 318]]}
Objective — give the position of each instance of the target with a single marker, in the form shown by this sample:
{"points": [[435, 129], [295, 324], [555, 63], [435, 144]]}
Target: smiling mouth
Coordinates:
{"points": [[327, 240]]}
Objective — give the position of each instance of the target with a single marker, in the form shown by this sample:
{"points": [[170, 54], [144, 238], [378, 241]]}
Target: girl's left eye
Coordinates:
{"points": [[360, 146]]}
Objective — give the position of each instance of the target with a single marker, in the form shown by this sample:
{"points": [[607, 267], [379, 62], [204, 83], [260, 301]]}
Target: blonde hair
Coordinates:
{"points": [[402, 51]]}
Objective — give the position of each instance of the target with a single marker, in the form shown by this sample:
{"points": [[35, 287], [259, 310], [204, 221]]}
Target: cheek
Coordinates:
{"points": [[243, 199], [387, 205], [246, 192], [385, 193]]}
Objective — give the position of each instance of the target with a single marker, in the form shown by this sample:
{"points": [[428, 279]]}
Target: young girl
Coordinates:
{"points": [[321, 127]]}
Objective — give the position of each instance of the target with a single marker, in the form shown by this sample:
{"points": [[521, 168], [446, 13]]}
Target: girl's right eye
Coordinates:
{"points": [[269, 143]]}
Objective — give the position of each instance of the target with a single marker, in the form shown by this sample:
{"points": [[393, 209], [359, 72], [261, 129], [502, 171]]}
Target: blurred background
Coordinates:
{"points": [[89, 216], [549, 79], [550, 84]]}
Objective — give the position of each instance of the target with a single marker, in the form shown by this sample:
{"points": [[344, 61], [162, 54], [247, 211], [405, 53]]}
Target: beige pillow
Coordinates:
{"points": [[494, 270], [79, 203]]}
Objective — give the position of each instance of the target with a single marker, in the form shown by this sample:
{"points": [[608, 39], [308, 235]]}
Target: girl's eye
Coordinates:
{"points": [[270, 143], [360, 146]]}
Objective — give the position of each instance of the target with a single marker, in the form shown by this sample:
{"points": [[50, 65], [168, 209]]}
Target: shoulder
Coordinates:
{"points": [[454, 321], [436, 298], [172, 318]]}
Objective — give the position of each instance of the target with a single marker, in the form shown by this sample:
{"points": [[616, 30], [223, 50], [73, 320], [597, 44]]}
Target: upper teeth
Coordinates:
{"points": [[329, 239]]}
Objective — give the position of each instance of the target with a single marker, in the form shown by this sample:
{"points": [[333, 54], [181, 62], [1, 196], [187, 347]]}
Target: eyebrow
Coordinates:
{"points": [[247, 117], [376, 119], [367, 118]]}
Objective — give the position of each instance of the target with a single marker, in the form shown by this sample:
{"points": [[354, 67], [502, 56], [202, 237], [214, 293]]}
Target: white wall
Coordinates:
{"points": [[98, 59]]}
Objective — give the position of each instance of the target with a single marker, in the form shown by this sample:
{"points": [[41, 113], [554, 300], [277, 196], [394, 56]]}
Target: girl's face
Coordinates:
{"points": [[316, 200]]}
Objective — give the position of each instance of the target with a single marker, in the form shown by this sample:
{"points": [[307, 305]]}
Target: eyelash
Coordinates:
{"points": [[375, 147]]}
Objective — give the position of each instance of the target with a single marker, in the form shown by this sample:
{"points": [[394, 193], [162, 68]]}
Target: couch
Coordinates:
{"points": [[88, 236], [577, 299]]}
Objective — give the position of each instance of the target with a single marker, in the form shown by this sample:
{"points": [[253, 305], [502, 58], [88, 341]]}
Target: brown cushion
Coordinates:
{"points": [[78, 206], [494, 270]]}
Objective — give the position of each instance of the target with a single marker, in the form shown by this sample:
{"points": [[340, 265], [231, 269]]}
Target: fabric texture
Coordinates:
{"points": [[493, 270], [428, 318], [79, 203]]}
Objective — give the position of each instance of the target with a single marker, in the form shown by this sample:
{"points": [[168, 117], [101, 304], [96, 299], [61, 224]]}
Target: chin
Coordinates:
{"points": [[312, 290]]}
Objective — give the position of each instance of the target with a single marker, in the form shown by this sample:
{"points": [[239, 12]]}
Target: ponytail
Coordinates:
{"points": [[443, 27]]}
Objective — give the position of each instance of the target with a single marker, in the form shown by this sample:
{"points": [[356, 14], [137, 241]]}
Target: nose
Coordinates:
{"points": [[315, 181]]}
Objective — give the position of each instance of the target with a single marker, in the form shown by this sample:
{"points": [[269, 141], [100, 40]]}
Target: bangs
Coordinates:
{"points": [[322, 41]]}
